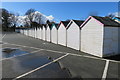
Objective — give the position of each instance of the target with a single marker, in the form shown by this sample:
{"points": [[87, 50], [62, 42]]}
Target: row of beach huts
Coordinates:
{"points": [[98, 36]]}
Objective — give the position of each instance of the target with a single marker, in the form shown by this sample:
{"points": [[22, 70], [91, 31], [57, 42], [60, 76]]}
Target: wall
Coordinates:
{"points": [[43, 37], [41, 32], [73, 36], [110, 41], [25, 32], [35, 33], [62, 35], [54, 35], [38, 33], [92, 38], [32, 32], [48, 34]]}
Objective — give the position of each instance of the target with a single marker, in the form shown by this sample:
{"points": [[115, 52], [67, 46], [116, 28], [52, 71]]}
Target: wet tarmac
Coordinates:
{"points": [[71, 66], [21, 65], [11, 52]]}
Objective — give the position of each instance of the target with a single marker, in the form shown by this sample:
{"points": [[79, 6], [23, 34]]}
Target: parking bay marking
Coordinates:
{"points": [[41, 67], [105, 70], [65, 53], [21, 55], [3, 36]]}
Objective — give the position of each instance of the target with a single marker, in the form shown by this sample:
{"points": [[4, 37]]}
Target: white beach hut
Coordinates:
{"points": [[43, 32], [99, 36], [48, 32], [62, 33], [25, 31], [32, 32], [35, 33], [54, 34], [21, 31], [74, 34], [38, 33]]}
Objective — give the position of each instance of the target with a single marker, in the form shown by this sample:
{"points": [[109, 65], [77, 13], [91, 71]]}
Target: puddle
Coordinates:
{"points": [[27, 63], [54, 70], [10, 52]]}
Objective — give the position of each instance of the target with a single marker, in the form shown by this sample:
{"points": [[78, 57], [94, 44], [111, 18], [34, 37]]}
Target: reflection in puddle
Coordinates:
{"points": [[10, 52], [27, 63], [54, 70]]}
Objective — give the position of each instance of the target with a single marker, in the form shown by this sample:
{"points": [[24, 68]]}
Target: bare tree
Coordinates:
{"points": [[110, 15], [27, 22], [30, 14], [5, 18], [13, 19]]}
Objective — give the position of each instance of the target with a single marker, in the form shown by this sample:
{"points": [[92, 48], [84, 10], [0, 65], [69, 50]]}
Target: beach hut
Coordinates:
{"points": [[54, 34], [25, 31], [28, 32], [99, 36], [21, 31], [32, 32], [43, 32], [62, 33], [74, 34], [117, 19], [35, 33], [48, 32], [38, 32]]}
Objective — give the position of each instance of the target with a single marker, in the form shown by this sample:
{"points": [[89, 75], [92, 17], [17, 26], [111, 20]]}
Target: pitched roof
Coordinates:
{"points": [[118, 17], [43, 25], [65, 23], [50, 25], [107, 21], [54, 24], [78, 22]]}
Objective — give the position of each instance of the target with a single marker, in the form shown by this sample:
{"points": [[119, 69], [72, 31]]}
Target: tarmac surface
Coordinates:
{"points": [[27, 57]]}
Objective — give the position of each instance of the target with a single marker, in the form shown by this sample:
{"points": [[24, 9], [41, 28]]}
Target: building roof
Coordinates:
{"points": [[107, 21], [65, 23], [78, 22], [54, 24], [50, 26], [118, 17], [43, 25]]}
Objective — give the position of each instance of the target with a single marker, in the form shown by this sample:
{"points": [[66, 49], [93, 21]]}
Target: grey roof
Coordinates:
{"points": [[107, 21], [54, 24], [78, 22], [118, 17], [50, 25], [65, 23]]}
